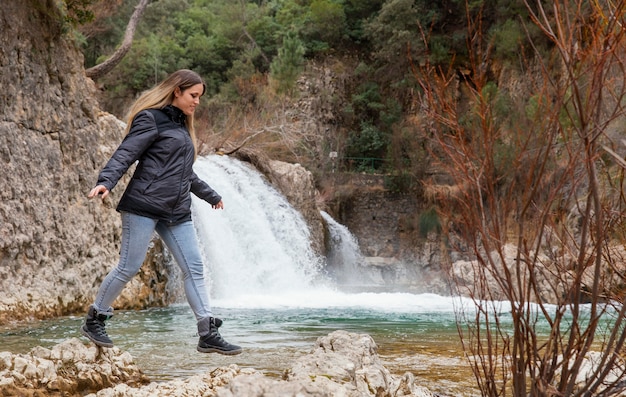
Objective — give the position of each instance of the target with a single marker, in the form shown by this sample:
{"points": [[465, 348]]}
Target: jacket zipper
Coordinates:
{"points": [[182, 176]]}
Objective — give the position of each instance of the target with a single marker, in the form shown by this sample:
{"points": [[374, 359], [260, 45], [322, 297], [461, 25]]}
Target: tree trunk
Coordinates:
{"points": [[105, 67]]}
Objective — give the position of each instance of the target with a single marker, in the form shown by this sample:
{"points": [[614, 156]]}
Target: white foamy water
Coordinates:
{"points": [[258, 252], [258, 244], [319, 298]]}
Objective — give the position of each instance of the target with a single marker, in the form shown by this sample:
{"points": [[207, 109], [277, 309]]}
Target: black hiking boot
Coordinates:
{"points": [[93, 328], [210, 339]]}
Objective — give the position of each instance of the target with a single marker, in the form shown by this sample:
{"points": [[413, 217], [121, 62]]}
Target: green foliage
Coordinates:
{"points": [[393, 30], [357, 12], [489, 92], [391, 113], [78, 11], [235, 45], [507, 39], [239, 87], [371, 115], [367, 101], [326, 22], [287, 66], [109, 36], [267, 36], [534, 106], [206, 36], [368, 142], [439, 50], [429, 222], [290, 14], [499, 104]]}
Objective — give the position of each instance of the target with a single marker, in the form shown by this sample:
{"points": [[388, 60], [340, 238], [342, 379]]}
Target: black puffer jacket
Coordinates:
{"points": [[161, 184]]}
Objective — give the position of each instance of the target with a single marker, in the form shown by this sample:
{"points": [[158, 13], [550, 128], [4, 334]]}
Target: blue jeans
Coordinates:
{"points": [[180, 239]]}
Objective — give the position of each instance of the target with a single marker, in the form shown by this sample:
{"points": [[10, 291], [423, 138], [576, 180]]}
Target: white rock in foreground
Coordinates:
{"points": [[69, 368], [342, 364]]}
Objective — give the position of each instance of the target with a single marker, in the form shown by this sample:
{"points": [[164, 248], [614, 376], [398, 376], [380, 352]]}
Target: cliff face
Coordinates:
{"points": [[386, 225], [55, 245]]}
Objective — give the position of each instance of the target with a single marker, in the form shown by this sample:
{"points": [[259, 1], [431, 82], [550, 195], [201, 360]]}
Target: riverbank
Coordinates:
{"points": [[340, 363]]}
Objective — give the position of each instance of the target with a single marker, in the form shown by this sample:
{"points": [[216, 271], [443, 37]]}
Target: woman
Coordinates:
{"points": [[161, 139]]}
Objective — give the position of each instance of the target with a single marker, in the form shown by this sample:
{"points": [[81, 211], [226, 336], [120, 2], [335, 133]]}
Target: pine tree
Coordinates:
{"points": [[287, 65]]}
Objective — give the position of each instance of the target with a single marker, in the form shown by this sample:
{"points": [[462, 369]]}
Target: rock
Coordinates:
{"points": [[296, 183], [70, 368], [552, 277], [467, 274], [202, 385], [342, 364]]}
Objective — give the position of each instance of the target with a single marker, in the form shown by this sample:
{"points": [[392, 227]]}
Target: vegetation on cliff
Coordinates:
{"points": [[252, 52]]}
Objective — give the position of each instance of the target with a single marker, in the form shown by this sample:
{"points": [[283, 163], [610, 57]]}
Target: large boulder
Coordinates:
{"points": [[297, 184], [341, 364]]}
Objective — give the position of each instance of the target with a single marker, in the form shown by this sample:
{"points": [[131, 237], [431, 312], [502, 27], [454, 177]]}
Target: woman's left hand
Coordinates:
{"points": [[218, 206]]}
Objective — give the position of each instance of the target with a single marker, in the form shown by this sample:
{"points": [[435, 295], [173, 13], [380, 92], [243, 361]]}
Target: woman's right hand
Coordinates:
{"points": [[98, 190]]}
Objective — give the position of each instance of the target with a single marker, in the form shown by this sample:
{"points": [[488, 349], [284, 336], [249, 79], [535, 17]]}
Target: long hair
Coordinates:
{"points": [[163, 94]]}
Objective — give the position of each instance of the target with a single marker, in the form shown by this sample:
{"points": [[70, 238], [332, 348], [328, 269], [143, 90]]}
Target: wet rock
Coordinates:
{"points": [[69, 368], [298, 185], [341, 364]]}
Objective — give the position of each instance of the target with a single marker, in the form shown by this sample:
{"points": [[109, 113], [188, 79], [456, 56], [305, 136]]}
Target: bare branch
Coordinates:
{"points": [[539, 204], [105, 67]]}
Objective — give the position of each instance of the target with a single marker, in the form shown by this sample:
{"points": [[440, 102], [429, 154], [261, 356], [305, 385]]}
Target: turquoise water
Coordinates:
{"points": [[421, 340], [415, 333]]}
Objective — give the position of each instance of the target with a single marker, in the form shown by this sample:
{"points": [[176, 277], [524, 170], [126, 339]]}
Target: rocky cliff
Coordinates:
{"points": [[55, 245], [386, 224]]}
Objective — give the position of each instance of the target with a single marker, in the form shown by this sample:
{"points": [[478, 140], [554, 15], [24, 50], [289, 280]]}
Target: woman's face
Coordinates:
{"points": [[188, 100]]}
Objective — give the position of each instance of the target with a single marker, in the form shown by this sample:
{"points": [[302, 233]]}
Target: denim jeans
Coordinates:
{"points": [[182, 242]]}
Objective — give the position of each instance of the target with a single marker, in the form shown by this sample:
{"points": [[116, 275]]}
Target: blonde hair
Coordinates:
{"points": [[163, 95]]}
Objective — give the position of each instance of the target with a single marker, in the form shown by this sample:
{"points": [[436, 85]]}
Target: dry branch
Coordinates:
{"points": [[531, 205], [105, 67]]}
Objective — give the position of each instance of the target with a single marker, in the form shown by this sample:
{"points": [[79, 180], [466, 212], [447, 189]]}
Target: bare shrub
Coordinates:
{"points": [[537, 198]]}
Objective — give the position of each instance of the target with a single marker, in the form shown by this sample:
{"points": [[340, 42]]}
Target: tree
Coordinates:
{"points": [[105, 67], [326, 24], [287, 66], [538, 201]]}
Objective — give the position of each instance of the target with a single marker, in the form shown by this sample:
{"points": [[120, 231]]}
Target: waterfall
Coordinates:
{"points": [[258, 253], [259, 243], [344, 255]]}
